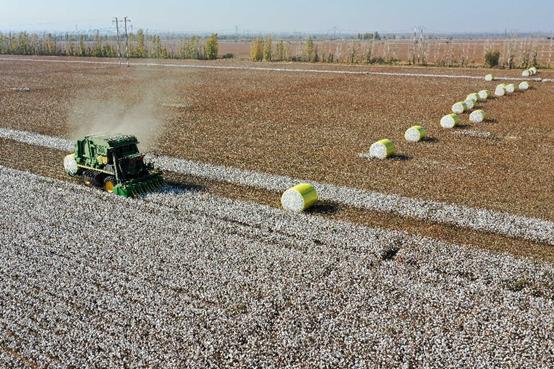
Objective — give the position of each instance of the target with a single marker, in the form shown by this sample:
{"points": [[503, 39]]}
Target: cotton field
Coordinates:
{"points": [[330, 216]]}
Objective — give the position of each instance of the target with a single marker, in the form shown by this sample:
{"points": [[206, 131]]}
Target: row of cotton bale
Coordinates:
{"points": [[385, 147], [529, 72], [304, 195], [478, 116], [526, 73], [509, 88], [460, 107]]}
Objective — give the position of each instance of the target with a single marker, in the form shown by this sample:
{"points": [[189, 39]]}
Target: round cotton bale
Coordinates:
{"points": [[510, 88], [470, 104], [526, 73], [533, 70], [299, 197], [474, 96], [459, 107], [70, 165], [500, 90], [415, 134], [477, 116], [523, 86], [489, 77], [483, 95], [382, 149], [450, 121]]}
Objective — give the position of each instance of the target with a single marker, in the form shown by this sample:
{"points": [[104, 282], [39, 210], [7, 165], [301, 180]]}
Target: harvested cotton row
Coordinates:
{"points": [[415, 134], [523, 86], [477, 116], [382, 149], [489, 77], [470, 104], [474, 96], [459, 107], [510, 88], [483, 95], [500, 90], [299, 197], [450, 121], [533, 70], [526, 73]]}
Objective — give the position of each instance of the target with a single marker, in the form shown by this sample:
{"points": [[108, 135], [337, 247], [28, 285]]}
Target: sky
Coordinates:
{"points": [[263, 16]]}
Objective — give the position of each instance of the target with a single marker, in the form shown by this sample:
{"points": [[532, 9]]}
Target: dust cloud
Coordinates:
{"points": [[132, 107]]}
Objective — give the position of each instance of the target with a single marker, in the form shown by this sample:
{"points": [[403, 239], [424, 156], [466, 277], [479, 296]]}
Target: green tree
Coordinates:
{"points": [[212, 47], [82, 49], [354, 53], [50, 45], [157, 46], [268, 49], [257, 50], [368, 54], [281, 51], [309, 50], [97, 51], [492, 58], [190, 49], [23, 43], [140, 51]]}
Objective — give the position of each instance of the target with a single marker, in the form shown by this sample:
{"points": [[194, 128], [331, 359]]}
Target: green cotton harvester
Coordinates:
{"points": [[113, 163]]}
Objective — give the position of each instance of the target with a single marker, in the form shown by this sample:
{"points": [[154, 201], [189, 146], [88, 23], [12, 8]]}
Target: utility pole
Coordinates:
{"points": [[422, 46], [116, 21], [551, 49], [125, 21]]}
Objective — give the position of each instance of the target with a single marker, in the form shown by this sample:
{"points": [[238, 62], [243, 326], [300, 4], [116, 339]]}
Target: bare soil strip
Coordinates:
{"points": [[272, 69]]}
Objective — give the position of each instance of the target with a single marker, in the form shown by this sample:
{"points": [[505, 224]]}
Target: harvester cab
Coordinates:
{"points": [[113, 163]]}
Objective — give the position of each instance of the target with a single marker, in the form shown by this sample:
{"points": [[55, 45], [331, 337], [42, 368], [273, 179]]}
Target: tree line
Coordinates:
{"points": [[140, 45]]}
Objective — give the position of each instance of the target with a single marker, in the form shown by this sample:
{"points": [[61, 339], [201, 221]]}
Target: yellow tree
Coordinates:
{"points": [[212, 47], [257, 50]]}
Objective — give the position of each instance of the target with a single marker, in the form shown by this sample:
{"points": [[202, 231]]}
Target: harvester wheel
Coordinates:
{"points": [[88, 178], [109, 184], [92, 179]]}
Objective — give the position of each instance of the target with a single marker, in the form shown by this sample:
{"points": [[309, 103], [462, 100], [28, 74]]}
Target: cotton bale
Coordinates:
{"points": [[510, 88], [489, 77], [500, 90], [415, 133], [483, 95], [382, 149], [473, 96], [470, 104], [299, 198], [523, 86], [450, 121], [533, 70], [526, 73], [459, 107], [477, 116]]}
